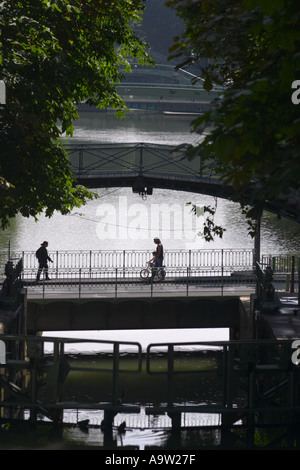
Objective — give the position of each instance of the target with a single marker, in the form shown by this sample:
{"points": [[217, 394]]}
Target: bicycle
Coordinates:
{"points": [[148, 272]]}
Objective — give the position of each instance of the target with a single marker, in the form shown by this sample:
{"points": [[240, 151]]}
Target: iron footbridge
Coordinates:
{"points": [[144, 167]]}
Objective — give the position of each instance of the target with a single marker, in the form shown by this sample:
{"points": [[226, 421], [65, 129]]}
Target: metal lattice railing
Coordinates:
{"points": [[241, 259], [134, 159]]}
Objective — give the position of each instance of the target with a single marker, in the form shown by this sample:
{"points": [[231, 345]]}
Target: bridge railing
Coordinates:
{"points": [[283, 262], [189, 268], [118, 282], [93, 259], [148, 159]]}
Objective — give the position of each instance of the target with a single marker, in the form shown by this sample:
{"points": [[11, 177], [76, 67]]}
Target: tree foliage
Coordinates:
{"points": [[252, 49], [55, 54]]}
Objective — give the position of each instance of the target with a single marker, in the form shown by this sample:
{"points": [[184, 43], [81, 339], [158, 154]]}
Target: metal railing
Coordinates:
{"points": [[82, 271], [254, 380], [122, 281], [282, 263], [90, 259], [284, 268], [135, 159], [40, 369], [218, 258]]}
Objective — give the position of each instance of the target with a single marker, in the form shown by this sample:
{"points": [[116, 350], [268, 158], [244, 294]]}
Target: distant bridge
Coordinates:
{"points": [[163, 89], [144, 167]]}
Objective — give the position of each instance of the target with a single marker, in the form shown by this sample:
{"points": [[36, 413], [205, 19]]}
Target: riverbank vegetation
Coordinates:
{"points": [[53, 55], [251, 48]]}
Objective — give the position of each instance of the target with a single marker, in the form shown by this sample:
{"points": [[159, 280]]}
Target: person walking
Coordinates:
{"points": [[43, 258]]}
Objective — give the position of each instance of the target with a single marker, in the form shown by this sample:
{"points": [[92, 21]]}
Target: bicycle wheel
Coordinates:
{"points": [[145, 273]]}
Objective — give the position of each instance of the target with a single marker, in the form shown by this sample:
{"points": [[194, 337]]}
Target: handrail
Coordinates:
{"points": [[243, 364], [226, 257], [136, 159], [242, 257], [82, 282], [34, 361], [189, 268], [254, 344]]}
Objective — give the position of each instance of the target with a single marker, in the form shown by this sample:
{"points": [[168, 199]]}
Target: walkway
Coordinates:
{"points": [[120, 271], [66, 289], [95, 273]]}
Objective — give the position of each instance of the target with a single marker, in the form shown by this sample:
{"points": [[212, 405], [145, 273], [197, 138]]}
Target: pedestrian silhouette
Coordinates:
{"points": [[43, 258]]}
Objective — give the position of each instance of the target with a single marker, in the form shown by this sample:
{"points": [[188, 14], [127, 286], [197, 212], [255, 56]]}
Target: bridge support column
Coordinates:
{"points": [[175, 437], [107, 427], [107, 422], [257, 241], [176, 420], [257, 249]]}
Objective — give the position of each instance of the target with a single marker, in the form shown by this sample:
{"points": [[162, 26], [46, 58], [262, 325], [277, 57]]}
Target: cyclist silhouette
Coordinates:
{"points": [[159, 256]]}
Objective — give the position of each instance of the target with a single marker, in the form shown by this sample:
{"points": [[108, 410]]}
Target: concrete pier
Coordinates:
{"points": [[282, 323]]}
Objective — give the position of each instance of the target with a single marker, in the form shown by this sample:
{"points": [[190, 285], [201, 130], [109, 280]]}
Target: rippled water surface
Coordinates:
{"points": [[120, 219]]}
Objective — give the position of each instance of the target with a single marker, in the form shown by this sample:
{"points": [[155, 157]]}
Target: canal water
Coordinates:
{"points": [[121, 220]]}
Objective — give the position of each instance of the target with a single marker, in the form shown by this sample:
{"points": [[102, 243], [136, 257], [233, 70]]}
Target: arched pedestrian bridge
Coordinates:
{"points": [[144, 167]]}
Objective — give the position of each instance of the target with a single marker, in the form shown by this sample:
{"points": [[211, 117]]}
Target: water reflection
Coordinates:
{"points": [[98, 229], [44, 437], [74, 438], [134, 128]]}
